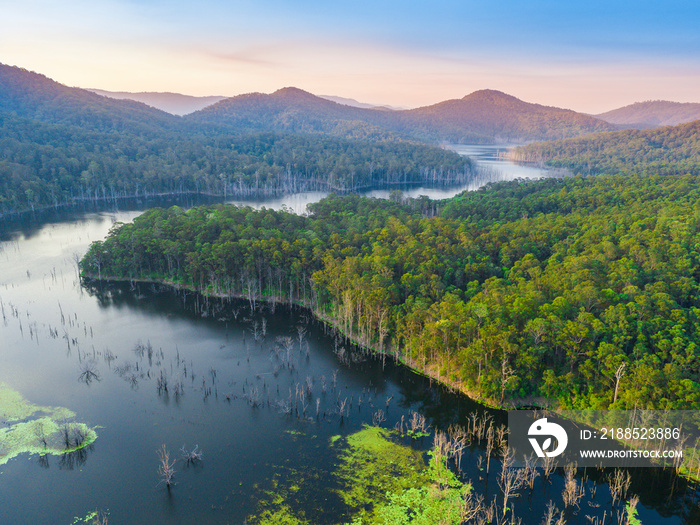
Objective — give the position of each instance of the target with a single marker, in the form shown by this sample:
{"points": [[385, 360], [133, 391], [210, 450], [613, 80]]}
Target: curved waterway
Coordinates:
{"points": [[265, 395], [491, 166]]}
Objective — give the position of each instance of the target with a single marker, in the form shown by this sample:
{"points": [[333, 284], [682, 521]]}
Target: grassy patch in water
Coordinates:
{"points": [[376, 480], [388, 483], [373, 465], [28, 428]]}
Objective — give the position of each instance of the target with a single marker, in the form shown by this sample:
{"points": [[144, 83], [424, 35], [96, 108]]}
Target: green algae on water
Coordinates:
{"points": [[376, 479], [282, 515], [28, 428], [91, 518], [388, 483], [373, 464], [285, 501]]}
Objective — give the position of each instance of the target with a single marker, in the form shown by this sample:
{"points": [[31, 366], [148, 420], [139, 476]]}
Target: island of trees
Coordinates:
{"points": [[580, 292]]}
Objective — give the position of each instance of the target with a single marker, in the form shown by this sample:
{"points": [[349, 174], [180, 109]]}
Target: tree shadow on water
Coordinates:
{"points": [[75, 458]]}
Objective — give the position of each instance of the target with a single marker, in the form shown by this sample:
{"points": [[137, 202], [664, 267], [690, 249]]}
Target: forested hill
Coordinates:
{"points": [[33, 96], [520, 292], [482, 117], [653, 113], [668, 150], [60, 145], [48, 164], [292, 110], [489, 114]]}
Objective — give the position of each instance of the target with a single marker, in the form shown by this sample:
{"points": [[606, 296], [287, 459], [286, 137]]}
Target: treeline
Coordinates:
{"points": [[48, 164], [581, 291], [666, 151]]}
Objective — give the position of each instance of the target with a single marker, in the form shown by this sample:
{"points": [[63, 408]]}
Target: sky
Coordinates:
{"points": [[590, 56]]}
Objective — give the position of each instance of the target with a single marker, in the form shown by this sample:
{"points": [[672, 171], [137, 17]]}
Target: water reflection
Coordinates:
{"points": [[74, 459]]}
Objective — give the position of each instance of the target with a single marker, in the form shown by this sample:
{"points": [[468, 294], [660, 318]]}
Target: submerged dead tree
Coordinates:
{"points": [[166, 468]]}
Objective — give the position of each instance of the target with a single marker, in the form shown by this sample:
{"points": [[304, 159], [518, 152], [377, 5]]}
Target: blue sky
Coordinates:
{"points": [[589, 56]]}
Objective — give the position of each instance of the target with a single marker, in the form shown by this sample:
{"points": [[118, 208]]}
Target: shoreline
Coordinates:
{"points": [[319, 316], [248, 193], [427, 372]]}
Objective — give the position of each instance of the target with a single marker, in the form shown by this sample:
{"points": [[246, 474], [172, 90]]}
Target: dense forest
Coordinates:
{"points": [[60, 145], [668, 150], [44, 164], [580, 292]]}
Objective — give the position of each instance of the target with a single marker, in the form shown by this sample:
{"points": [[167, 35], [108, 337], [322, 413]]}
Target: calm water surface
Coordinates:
{"points": [[232, 401]]}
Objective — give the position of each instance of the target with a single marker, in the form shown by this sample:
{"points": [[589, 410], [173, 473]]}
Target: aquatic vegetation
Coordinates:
{"points": [[283, 515], [95, 517], [373, 465], [379, 479], [389, 483], [28, 428], [280, 503], [631, 512], [420, 506]]}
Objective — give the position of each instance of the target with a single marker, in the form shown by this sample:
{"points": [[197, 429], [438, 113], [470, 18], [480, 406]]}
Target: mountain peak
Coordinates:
{"points": [[490, 95], [292, 93]]}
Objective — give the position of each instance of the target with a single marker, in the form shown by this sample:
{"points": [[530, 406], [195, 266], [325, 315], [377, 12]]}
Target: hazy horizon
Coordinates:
{"points": [[342, 100], [591, 57]]}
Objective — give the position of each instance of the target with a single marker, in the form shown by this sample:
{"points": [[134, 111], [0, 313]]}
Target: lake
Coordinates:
{"points": [[263, 394]]}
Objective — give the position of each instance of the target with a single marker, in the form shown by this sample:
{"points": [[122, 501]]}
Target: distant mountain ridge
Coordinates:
{"points": [[354, 103], [173, 103], [482, 117], [491, 113], [61, 145], [653, 113]]}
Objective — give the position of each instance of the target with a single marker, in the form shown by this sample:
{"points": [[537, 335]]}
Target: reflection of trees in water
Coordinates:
{"points": [[111, 294], [89, 372], [44, 461], [75, 458]]}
